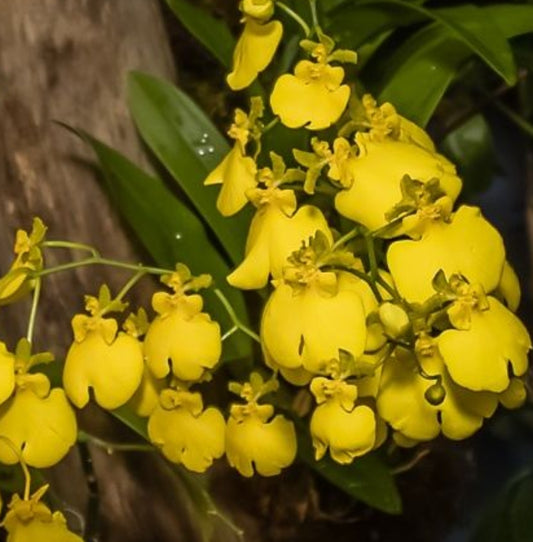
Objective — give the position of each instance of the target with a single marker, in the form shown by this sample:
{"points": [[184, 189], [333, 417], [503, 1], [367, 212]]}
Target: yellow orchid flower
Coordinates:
{"points": [[254, 51], [403, 404], [252, 441], [479, 355], [7, 373], [181, 337], [237, 174], [277, 230], [185, 432], [30, 520], [305, 327], [377, 173], [109, 363], [313, 97], [15, 284], [468, 245], [40, 423], [349, 431]]}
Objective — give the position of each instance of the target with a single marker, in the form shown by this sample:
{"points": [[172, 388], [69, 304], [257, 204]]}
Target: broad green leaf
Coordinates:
{"points": [[190, 147], [508, 517], [512, 20], [203, 511], [433, 56], [171, 233], [367, 479], [471, 148], [474, 27], [212, 33], [354, 25], [429, 56]]}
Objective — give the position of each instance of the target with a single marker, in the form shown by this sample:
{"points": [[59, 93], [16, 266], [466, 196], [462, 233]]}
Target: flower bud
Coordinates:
{"points": [[394, 320], [258, 9], [435, 394]]}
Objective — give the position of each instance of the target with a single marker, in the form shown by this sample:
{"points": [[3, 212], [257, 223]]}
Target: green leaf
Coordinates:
{"points": [[212, 33], [354, 25], [430, 56], [171, 233], [367, 479], [512, 20], [508, 518], [475, 28], [471, 148], [190, 147], [433, 56]]}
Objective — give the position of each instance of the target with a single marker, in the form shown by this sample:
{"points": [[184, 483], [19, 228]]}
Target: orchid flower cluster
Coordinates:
{"points": [[390, 310]]}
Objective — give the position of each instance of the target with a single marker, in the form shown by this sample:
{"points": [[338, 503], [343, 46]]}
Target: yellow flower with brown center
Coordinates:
{"points": [[185, 432], [30, 520]]}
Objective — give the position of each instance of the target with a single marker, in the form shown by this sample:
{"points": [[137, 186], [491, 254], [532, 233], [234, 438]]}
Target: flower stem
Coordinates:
{"points": [[72, 246], [345, 238], [293, 15], [234, 318], [100, 261], [33, 312], [125, 289], [372, 262], [314, 15], [270, 125], [111, 447], [229, 333]]}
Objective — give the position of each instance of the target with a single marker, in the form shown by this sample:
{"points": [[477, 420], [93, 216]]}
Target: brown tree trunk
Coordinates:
{"points": [[67, 60]]}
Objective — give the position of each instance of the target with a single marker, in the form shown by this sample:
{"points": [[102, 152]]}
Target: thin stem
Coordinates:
{"points": [[388, 288], [293, 15], [234, 318], [270, 125], [126, 288], [514, 117], [371, 250], [100, 261], [111, 447], [33, 312], [27, 476], [229, 333], [389, 226], [72, 246], [314, 15], [346, 238], [411, 463]]}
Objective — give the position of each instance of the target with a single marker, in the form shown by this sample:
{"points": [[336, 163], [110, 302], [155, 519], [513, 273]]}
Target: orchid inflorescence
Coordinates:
{"points": [[389, 307]]}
